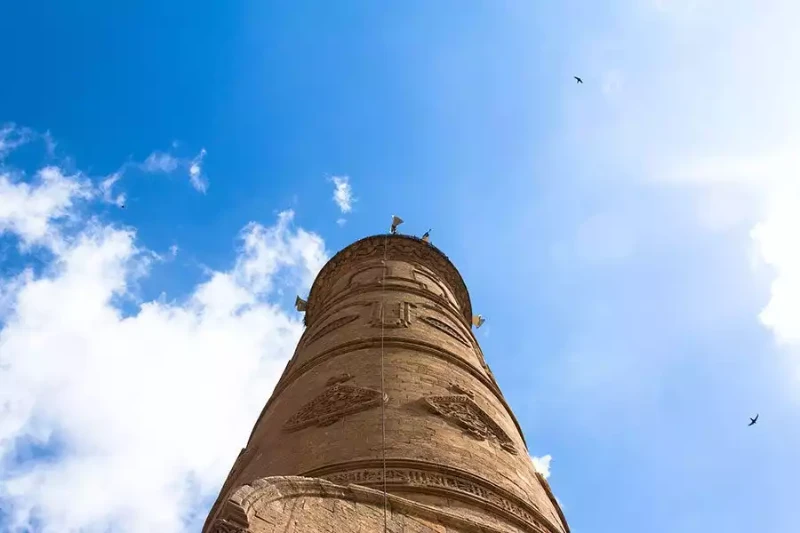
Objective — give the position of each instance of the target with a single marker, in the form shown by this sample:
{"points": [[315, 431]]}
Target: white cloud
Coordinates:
{"points": [[196, 172], [49, 143], [341, 221], [12, 137], [765, 186], [709, 108], [342, 193], [105, 190], [131, 398], [168, 163], [542, 465], [160, 162], [776, 240], [28, 210]]}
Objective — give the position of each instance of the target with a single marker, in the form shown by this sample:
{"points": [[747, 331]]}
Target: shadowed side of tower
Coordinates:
{"points": [[387, 390]]}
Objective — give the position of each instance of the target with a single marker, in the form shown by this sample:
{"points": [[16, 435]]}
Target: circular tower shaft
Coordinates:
{"points": [[388, 389]]}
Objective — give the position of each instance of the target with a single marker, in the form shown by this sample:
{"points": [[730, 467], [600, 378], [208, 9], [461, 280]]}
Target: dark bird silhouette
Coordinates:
{"points": [[753, 420], [426, 237], [578, 79]]}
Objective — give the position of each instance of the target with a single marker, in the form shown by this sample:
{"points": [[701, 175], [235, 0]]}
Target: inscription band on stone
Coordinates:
{"points": [[422, 478]]}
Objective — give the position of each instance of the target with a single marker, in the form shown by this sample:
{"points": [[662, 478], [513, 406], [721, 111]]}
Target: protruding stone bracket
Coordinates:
{"points": [[232, 518], [223, 526]]}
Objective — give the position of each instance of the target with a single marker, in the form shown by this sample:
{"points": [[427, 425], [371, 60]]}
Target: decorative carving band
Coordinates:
{"points": [[334, 325], [465, 413], [391, 315], [426, 348], [397, 248], [332, 405], [223, 526], [446, 328], [343, 299], [410, 477]]}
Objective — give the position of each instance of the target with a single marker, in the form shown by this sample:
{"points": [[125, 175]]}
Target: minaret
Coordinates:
{"points": [[387, 417]]}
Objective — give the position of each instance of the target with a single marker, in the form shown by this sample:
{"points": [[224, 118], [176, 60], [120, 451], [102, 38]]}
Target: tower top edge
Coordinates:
{"points": [[396, 245]]}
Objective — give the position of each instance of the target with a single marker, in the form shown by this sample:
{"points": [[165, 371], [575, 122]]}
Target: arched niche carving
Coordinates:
{"points": [[367, 274], [430, 283]]}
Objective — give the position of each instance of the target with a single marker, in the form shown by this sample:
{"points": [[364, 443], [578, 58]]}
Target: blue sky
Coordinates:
{"points": [[632, 240]]}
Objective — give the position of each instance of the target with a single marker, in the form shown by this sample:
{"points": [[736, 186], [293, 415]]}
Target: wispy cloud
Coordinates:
{"points": [[106, 190], [167, 163], [542, 465], [28, 210], [196, 172], [118, 456], [11, 137], [342, 193], [160, 162]]}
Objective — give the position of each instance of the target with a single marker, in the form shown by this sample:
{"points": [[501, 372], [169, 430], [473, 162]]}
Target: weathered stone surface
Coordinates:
{"points": [[388, 321]]}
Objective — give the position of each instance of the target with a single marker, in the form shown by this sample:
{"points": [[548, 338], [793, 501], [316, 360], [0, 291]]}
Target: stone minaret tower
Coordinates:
{"points": [[387, 417]]}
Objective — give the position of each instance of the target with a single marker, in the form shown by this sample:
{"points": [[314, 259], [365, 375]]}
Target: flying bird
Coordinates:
{"points": [[577, 79], [753, 420]]}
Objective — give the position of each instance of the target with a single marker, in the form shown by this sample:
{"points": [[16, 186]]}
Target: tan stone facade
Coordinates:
{"points": [[388, 388]]}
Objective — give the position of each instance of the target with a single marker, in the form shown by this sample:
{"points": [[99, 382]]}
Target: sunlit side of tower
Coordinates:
{"points": [[387, 416]]}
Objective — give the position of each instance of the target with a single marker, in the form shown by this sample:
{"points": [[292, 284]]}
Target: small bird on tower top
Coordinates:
{"points": [[577, 79], [396, 221], [427, 236], [753, 420]]}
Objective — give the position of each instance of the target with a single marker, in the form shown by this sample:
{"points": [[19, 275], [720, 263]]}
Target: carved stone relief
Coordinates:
{"points": [[443, 326], [394, 315], [341, 378], [431, 284], [223, 526], [335, 403], [368, 275], [458, 389], [434, 307], [438, 261], [328, 328], [462, 411], [420, 478]]}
